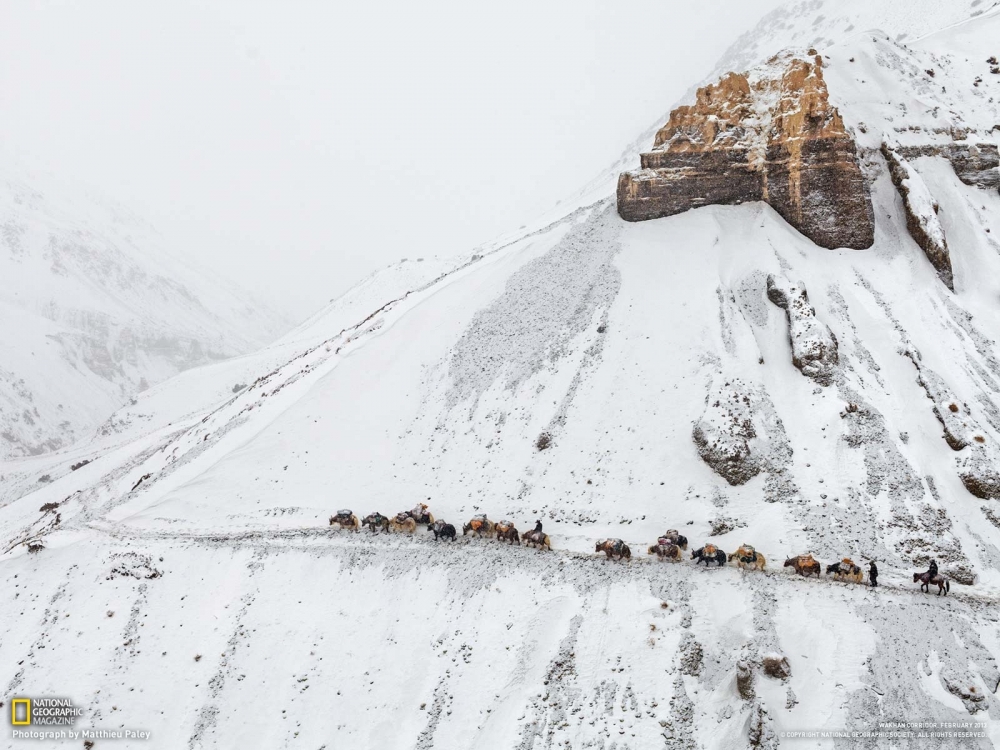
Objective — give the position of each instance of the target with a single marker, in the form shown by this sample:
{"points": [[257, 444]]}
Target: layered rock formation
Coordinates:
{"points": [[814, 347], [921, 214], [768, 135], [975, 164]]}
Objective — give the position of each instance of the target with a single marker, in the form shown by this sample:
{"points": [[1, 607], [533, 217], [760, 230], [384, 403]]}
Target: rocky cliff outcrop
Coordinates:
{"points": [[975, 164], [921, 214], [814, 347], [768, 135]]}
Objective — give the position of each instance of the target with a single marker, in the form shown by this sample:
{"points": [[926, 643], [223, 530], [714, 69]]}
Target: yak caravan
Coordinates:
{"points": [[667, 547]]}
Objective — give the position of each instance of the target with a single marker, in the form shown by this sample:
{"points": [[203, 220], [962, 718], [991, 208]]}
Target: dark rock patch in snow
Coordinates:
{"points": [[814, 347], [921, 214], [739, 434]]}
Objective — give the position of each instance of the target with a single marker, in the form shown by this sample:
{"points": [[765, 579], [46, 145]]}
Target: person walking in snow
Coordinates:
{"points": [[873, 573]]}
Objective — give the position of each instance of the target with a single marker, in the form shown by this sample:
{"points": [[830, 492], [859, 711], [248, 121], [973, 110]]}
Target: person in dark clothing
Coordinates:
{"points": [[932, 569], [873, 573], [538, 527]]}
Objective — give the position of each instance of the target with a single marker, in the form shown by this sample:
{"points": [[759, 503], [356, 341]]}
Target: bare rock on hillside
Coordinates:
{"points": [[979, 462], [767, 135], [776, 666], [814, 346], [978, 471], [760, 732], [921, 214], [739, 435], [745, 680], [975, 164]]}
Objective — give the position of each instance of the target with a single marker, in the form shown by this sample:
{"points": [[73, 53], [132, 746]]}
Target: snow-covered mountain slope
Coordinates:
{"points": [[825, 23], [672, 367], [94, 310]]}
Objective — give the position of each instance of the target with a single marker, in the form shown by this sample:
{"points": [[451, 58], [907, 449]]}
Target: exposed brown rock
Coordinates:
{"points": [[777, 666], [768, 135], [745, 680]]}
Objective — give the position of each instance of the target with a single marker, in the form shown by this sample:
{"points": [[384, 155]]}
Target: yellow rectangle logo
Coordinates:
{"points": [[20, 707]]}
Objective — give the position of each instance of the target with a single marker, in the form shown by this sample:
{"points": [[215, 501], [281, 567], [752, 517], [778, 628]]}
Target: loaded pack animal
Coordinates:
{"points": [[804, 565], [421, 515], [747, 557], [443, 530], [709, 554], [376, 520], [674, 537], [506, 532], [402, 522], [345, 519], [614, 548], [664, 549], [480, 526], [537, 538], [926, 579], [846, 570]]}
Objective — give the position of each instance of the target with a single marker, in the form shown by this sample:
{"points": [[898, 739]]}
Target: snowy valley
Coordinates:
{"points": [[711, 370]]}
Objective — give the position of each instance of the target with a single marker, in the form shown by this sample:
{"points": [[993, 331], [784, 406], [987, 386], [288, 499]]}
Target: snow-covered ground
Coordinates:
{"points": [[190, 585]]}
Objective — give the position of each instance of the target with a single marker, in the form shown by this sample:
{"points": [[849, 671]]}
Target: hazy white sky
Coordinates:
{"points": [[297, 146]]}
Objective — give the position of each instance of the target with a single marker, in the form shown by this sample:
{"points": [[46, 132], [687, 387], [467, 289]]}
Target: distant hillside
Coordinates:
{"points": [[94, 309]]}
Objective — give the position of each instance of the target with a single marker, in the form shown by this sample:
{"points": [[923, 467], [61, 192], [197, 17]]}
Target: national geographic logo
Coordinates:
{"points": [[44, 712]]}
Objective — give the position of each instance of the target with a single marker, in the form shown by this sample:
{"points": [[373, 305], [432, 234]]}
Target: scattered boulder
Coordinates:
{"points": [[978, 471], [791, 699], [744, 680], [133, 565], [814, 346], [768, 135], [777, 666], [739, 435], [961, 573], [921, 214], [723, 525], [691, 656]]}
